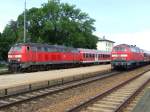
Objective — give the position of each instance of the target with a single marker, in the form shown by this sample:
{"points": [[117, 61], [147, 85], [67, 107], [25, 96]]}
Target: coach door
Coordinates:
{"points": [[28, 53]]}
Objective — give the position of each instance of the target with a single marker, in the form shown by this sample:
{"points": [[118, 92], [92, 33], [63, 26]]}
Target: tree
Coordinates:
{"points": [[8, 38], [54, 23], [59, 23], [4, 47]]}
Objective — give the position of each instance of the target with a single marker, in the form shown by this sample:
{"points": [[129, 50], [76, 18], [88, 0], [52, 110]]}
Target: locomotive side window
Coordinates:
{"points": [[45, 49], [51, 49], [33, 48], [39, 48]]}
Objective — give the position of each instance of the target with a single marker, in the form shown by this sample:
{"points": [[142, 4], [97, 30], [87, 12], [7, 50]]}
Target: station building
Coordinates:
{"points": [[105, 44]]}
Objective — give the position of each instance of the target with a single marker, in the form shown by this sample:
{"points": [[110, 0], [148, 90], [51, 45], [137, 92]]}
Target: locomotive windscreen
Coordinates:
{"points": [[119, 49], [15, 48]]}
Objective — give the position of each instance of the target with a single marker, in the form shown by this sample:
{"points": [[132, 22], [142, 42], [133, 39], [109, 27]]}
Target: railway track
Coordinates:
{"points": [[116, 98], [7, 72], [11, 100]]}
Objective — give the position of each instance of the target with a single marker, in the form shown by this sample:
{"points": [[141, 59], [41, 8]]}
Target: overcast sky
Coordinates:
{"points": [[122, 21]]}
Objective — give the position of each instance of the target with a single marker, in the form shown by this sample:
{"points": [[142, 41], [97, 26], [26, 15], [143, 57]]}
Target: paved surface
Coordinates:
{"points": [[144, 103], [8, 81]]}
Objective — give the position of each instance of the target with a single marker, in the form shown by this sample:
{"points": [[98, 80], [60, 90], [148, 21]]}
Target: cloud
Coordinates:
{"points": [[140, 39]]}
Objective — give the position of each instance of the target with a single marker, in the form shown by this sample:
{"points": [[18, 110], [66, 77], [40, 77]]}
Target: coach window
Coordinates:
{"points": [[84, 55], [89, 55], [103, 55], [100, 56]]}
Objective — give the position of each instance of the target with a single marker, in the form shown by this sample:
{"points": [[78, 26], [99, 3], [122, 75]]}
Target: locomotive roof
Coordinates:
{"points": [[126, 45], [43, 45], [133, 46], [122, 45]]}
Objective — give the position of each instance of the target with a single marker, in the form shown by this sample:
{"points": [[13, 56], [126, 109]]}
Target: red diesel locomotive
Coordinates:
{"points": [[128, 56], [34, 56]]}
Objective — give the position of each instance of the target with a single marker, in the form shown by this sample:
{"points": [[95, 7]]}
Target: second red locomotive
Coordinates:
{"points": [[128, 56]]}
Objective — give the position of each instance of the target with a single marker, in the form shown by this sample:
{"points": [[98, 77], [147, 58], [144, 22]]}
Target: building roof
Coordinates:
{"points": [[106, 40]]}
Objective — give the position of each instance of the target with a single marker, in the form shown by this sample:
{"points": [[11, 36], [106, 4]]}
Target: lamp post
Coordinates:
{"points": [[24, 21]]}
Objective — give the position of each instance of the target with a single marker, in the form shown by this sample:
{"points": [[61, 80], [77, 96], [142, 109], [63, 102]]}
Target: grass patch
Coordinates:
{"points": [[3, 66]]}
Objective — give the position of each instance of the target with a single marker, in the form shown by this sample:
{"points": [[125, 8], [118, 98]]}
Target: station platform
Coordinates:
{"points": [[144, 103], [11, 84]]}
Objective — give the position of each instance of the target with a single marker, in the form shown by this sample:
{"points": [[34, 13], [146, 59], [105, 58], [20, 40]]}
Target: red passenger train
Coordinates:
{"points": [[128, 56], [34, 56]]}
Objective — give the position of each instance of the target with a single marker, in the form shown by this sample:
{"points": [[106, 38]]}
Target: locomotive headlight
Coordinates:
{"points": [[123, 55], [114, 55], [10, 56], [18, 56], [18, 59]]}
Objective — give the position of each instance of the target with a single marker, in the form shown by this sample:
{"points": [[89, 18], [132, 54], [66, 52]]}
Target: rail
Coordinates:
{"points": [[118, 107]]}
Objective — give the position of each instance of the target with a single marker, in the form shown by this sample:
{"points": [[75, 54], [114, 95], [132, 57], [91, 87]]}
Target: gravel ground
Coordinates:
{"points": [[61, 101], [133, 103]]}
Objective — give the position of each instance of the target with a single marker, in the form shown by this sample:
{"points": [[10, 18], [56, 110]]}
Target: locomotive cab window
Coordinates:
{"points": [[119, 49], [16, 48]]}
